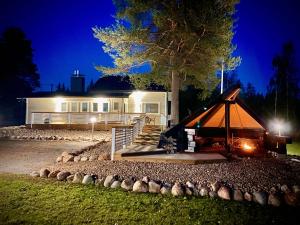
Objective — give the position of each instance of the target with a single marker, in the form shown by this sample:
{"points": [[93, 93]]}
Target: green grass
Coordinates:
{"points": [[25, 200], [294, 148]]}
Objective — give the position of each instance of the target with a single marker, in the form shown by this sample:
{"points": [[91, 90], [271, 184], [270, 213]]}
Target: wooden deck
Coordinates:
{"points": [[180, 158]]}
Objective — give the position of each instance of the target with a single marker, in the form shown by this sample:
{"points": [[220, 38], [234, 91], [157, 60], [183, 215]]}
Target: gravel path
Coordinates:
{"points": [[25, 156], [246, 174]]}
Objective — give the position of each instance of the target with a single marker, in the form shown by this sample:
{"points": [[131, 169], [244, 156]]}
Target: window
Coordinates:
{"points": [[63, 107], [95, 107], [105, 107], [151, 107], [84, 107], [74, 107], [116, 105]]}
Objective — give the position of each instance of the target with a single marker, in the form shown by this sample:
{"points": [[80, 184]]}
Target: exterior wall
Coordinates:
{"points": [[138, 99]]}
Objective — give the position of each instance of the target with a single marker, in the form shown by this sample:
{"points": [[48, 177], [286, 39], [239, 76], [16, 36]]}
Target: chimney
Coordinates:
{"points": [[77, 82]]}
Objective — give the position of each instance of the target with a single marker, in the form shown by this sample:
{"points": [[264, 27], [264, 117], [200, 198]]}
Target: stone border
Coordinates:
{"points": [[276, 197]]}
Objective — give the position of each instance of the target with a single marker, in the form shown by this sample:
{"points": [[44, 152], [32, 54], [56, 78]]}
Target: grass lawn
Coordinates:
{"points": [[25, 200], [294, 148]]}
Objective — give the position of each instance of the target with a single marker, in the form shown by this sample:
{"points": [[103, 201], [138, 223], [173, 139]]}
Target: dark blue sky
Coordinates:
{"points": [[62, 38]]}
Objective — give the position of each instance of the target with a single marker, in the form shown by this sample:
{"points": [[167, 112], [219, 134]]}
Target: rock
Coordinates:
{"points": [[273, 190], [78, 177], [248, 197], [93, 158], [116, 184], [99, 181], [165, 190], [140, 186], [68, 158], [62, 175], [291, 199], [260, 197], [88, 179], [188, 191], [215, 186], [44, 172], [77, 158], [237, 195], [285, 189], [35, 174], [64, 154], [190, 185], [203, 191], [274, 200], [127, 184], [154, 187], [146, 179], [296, 189], [84, 159], [109, 180], [53, 174], [177, 190], [212, 194], [70, 178], [59, 159], [104, 156], [224, 193]]}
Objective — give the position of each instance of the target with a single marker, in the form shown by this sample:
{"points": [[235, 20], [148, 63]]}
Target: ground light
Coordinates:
{"points": [[93, 120]]}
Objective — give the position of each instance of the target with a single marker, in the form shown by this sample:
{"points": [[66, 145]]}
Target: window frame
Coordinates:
{"points": [[93, 107], [71, 107], [156, 103], [107, 107], [61, 108], [81, 103]]}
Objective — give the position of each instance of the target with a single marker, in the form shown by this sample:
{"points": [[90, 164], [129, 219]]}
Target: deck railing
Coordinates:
{"points": [[123, 136], [82, 117]]}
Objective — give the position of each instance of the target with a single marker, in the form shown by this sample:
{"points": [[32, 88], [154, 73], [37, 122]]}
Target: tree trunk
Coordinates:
{"points": [[175, 98]]}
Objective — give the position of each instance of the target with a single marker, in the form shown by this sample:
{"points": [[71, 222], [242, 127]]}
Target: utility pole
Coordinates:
{"points": [[222, 75]]}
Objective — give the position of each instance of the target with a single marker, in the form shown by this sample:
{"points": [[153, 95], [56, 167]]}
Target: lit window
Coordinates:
{"points": [[105, 107], [74, 107], [84, 107], [151, 107], [63, 107], [116, 105], [95, 107]]}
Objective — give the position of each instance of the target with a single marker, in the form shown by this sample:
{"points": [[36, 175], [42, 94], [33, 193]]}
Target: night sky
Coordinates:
{"points": [[62, 38]]}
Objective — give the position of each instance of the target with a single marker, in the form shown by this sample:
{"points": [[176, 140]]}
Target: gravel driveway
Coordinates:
{"points": [[18, 156]]}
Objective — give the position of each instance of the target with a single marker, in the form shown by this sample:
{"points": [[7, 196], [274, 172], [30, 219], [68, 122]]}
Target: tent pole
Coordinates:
{"points": [[227, 125]]}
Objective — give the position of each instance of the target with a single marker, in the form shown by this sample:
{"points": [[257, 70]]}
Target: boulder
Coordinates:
{"points": [[53, 174], [116, 184], [70, 178], [140, 186], [212, 194], [93, 157], [215, 186], [84, 159], [64, 154], [237, 195], [63, 175], [146, 179], [88, 179], [165, 190], [190, 185], [104, 156], [189, 191], [35, 174], [44, 172], [109, 180], [248, 197], [78, 177], [59, 159], [291, 199], [154, 187], [127, 184], [285, 189], [203, 191], [68, 158], [260, 197], [274, 200], [77, 158], [273, 190], [224, 193], [177, 190]]}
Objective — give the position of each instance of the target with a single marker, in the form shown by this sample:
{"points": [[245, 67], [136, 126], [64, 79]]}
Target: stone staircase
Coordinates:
{"points": [[145, 143]]}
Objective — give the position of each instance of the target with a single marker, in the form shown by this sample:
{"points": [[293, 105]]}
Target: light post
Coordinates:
{"points": [[93, 120], [222, 75]]}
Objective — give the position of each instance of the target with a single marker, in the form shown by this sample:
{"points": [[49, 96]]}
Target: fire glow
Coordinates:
{"points": [[247, 147]]}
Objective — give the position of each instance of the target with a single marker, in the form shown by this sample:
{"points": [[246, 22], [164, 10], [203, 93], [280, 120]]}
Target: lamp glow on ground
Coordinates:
{"points": [[93, 121]]}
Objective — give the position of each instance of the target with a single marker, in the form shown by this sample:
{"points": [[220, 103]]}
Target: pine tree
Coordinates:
{"points": [[182, 41]]}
